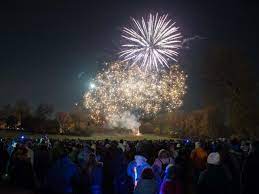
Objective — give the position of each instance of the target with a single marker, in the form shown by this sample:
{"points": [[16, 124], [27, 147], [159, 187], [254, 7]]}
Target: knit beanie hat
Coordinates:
{"points": [[197, 144], [213, 158]]}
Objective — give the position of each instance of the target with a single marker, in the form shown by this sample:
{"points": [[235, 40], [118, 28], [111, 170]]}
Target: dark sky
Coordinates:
{"points": [[45, 44]]}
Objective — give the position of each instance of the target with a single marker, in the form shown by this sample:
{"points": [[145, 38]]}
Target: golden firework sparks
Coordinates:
{"points": [[117, 90]]}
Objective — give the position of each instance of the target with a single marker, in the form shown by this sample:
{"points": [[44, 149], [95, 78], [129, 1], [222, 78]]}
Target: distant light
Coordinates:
{"points": [[22, 137]]}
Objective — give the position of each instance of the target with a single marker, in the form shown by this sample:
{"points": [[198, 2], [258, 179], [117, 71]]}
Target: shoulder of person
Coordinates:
{"points": [[157, 160], [202, 176]]}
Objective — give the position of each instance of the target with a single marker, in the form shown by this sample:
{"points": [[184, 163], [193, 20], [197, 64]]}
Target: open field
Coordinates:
{"points": [[97, 136]]}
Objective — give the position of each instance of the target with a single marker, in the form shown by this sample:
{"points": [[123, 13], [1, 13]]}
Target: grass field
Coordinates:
{"points": [[11, 134]]}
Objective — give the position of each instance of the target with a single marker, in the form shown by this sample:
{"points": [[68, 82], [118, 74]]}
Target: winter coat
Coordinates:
{"points": [[171, 187], [96, 180], [131, 172], [121, 182], [161, 164], [41, 163], [61, 175], [250, 174], [199, 158], [22, 174], [213, 180], [81, 158], [146, 186]]}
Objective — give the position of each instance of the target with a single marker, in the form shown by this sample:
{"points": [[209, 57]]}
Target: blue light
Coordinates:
{"points": [[22, 137], [187, 141]]}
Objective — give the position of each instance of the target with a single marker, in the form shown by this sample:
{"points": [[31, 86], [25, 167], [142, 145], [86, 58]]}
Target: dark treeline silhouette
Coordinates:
{"points": [[21, 116]]}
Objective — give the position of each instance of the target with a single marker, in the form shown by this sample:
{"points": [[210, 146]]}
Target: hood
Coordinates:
{"points": [[140, 160]]}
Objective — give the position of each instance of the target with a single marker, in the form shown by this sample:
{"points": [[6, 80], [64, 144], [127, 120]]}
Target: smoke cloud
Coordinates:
{"points": [[186, 41], [126, 120]]}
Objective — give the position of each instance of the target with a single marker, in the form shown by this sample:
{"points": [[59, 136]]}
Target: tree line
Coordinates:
{"points": [[222, 96], [43, 118]]}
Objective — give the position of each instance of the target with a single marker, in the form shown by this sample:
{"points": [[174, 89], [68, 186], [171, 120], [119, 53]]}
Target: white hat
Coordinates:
{"points": [[140, 158], [107, 145], [213, 158], [197, 144]]}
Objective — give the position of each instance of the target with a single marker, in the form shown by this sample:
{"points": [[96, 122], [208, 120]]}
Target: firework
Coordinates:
{"points": [[118, 90], [151, 43]]}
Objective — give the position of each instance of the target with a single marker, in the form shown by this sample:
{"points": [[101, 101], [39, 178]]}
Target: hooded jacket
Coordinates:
{"points": [[139, 164], [213, 180]]}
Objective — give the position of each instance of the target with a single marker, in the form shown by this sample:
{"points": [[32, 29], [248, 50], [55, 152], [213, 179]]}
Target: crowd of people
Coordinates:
{"points": [[220, 166]]}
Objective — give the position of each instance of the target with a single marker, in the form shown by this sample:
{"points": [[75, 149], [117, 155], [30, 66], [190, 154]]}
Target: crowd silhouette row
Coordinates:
{"points": [[45, 165]]}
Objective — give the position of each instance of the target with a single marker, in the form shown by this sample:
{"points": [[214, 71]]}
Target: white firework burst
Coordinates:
{"points": [[151, 43]]}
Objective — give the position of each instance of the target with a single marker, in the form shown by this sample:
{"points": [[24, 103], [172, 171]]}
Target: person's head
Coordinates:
{"points": [[147, 173], [21, 153], [213, 158], [91, 159], [29, 144], [90, 164], [197, 144], [140, 160], [172, 148], [74, 149], [170, 171], [58, 151], [162, 154], [107, 146], [93, 147]]}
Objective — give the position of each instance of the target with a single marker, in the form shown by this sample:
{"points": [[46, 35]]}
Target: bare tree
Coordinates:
{"points": [[21, 109], [64, 121], [44, 111]]}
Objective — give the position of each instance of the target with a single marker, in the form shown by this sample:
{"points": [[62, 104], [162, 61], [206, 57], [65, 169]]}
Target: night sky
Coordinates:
{"points": [[46, 44]]}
